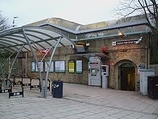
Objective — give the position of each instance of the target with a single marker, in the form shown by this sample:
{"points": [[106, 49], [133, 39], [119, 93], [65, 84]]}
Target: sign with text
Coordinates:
{"points": [[79, 66], [95, 34], [60, 66], [124, 42], [71, 66], [50, 66]]}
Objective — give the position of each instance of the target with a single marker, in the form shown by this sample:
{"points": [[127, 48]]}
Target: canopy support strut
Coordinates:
{"points": [[36, 60], [46, 80], [14, 61]]}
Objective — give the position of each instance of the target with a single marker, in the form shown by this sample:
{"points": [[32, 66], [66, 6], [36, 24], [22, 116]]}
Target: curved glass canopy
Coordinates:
{"points": [[31, 38], [39, 37]]}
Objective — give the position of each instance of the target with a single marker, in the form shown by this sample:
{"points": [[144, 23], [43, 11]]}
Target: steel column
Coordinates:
{"points": [[9, 73], [46, 80], [36, 60]]}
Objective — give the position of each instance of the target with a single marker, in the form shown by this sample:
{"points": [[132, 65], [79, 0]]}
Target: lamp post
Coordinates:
{"points": [[14, 21]]}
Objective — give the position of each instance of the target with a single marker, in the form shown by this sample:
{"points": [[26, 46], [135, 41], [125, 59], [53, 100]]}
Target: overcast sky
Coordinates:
{"points": [[79, 11]]}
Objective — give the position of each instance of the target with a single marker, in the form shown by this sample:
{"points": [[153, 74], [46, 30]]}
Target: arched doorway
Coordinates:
{"points": [[127, 76]]}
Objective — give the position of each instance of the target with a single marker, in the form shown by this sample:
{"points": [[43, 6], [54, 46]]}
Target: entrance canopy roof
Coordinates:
{"points": [[40, 38], [31, 38]]}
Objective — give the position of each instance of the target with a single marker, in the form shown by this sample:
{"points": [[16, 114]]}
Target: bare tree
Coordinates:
{"points": [[3, 23], [147, 7], [150, 9]]}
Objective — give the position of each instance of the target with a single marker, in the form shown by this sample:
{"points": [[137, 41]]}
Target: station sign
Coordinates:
{"points": [[124, 42]]}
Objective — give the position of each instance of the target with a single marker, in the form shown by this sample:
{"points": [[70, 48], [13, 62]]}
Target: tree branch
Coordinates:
{"points": [[3, 23]]}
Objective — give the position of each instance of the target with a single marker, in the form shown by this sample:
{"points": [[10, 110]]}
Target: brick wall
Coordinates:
{"points": [[135, 53]]}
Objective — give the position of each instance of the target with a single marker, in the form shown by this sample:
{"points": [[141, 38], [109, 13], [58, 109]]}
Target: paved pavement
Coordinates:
{"points": [[79, 102]]}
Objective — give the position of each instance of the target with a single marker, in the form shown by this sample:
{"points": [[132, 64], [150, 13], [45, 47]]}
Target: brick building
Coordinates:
{"points": [[127, 49], [123, 45]]}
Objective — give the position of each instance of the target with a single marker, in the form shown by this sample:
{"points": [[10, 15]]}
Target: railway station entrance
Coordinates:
{"points": [[127, 76]]}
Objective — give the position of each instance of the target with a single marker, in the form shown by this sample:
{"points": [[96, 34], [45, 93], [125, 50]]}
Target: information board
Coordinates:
{"points": [[79, 66], [71, 65], [47, 64], [59, 66]]}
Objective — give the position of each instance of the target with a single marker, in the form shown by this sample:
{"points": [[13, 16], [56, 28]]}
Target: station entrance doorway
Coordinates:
{"points": [[127, 77]]}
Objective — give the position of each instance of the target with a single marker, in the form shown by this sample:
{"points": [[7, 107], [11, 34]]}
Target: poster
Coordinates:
{"points": [[40, 64], [47, 64], [78, 66], [60, 66], [33, 66], [71, 64]]}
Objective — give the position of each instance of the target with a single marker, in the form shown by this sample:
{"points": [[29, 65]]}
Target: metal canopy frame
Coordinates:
{"points": [[13, 39], [32, 39]]}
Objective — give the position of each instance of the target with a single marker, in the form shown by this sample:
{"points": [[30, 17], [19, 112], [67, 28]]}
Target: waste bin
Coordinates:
{"points": [[57, 89], [0, 84], [153, 87]]}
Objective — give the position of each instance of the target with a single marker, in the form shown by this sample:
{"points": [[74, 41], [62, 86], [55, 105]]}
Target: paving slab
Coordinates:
{"points": [[79, 102]]}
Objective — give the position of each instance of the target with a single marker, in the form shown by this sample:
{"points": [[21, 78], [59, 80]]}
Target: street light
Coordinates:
{"points": [[120, 33], [14, 21], [139, 40]]}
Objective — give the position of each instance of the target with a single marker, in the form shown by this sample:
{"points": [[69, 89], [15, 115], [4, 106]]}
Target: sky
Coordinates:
{"points": [[79, 11]]}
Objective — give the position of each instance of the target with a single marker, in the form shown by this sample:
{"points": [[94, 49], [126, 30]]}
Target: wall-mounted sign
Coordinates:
{"points": [[40, 64], [33, 66], [71, 64], [51, 65], [79, 66], [46, 52], [124, 42], [95, 34], [59, 66]]}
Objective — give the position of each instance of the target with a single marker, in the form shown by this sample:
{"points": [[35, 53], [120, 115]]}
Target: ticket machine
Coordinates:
{"points": [[94, 77], [98, 73], [104, 76]]}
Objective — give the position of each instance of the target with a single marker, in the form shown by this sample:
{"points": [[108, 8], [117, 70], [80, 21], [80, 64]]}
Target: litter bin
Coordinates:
{"points": [[0, 84], [153, 87], [57, 89]]}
